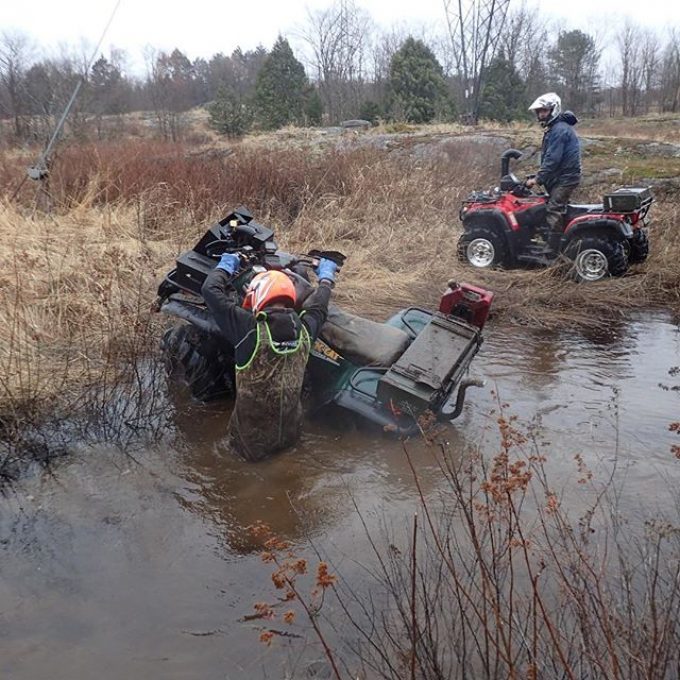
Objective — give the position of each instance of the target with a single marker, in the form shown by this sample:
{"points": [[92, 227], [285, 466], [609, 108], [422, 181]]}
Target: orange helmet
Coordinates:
{"points": [[269, 287]]}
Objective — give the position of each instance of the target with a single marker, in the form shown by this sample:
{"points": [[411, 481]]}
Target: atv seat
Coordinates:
{"points": [[362, 341], [574, 210]]}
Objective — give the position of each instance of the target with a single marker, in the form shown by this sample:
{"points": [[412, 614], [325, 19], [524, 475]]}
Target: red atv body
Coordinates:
{"points": [[503, 228]]}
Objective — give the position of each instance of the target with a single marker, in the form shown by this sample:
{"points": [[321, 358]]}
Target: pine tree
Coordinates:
{"points": [[417, 83], [313, 107], [574, 62], [280, 92], [504, 95], [229, 115]]}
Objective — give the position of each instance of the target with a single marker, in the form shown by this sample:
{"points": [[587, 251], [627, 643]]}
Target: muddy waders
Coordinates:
{"points": [[267, 416]]}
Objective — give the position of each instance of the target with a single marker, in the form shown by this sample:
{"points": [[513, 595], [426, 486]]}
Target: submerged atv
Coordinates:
{"points": [[503, 229], [388, 373]]}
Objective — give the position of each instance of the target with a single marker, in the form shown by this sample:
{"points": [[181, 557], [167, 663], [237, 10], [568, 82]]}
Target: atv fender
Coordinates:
{"points": [[198, 316], [606, 225], [491, 219]]}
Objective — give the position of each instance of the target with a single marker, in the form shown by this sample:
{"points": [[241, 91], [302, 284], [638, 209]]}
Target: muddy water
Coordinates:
{"points": [[116, 567]]}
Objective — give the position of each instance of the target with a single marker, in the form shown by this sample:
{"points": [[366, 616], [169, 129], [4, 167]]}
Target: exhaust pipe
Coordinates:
{"points": [[505, 160], [460, 398]]}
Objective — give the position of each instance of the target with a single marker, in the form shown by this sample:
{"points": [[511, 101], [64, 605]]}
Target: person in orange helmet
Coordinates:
{"points": [[272, 343]]}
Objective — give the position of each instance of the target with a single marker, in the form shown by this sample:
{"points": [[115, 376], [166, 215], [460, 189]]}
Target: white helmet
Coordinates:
{"points": [[551, 101]]}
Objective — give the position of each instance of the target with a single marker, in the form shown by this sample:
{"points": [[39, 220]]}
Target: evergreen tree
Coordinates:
{"points": [[280, 92], [313, 107], [229, 115], [371, 111], [417, 83], [504, 96], [574, 61]]}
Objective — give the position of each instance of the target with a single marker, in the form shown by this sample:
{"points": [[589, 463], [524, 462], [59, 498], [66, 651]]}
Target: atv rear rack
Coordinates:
{"points": [[423, 379]]}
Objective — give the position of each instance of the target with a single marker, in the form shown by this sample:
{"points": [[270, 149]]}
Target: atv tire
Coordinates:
{"points": [[596, 257], [198, 356], [483, 248], [638, 245]]}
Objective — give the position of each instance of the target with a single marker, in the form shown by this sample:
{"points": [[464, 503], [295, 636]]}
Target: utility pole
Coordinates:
{"points": [[475, 27]]}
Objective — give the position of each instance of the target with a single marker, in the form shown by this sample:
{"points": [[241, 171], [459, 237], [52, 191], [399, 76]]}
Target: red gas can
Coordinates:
{"points": [[467, 302]]}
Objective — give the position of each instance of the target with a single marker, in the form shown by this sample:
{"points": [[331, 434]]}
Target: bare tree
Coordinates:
{"points": [[14, 57], [650, 62], [523, 42], [670, 74], [338, 39], [631, 76], [475, 28], [170, 82], [380, 58]]}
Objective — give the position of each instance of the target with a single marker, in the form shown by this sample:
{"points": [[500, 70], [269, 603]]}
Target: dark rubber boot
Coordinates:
{"points": [[553, 241]]}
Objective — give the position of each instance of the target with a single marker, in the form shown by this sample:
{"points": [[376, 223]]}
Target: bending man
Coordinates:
{"points": [[272, 344]]}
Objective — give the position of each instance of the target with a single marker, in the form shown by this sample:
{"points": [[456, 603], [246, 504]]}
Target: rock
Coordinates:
{"points": [[659, 149], [668, 186], [588, 142], [486, 147], [601, 176], [356, 123]]}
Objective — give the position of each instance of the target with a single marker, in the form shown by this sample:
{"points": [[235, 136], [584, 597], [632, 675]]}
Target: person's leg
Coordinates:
{"points": [[556, 209]]}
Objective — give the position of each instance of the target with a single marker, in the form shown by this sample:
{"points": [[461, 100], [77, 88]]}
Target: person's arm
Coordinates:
{"points": [[220, 297], [316, 309], [552, 158]]}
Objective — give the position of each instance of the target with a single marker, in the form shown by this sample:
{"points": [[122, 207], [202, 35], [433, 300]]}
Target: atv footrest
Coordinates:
{"points": [[434, 363], [537, 254]]}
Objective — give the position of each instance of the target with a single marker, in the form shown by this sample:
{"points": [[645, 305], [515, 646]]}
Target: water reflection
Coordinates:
{"points": [[303, 492], [588, 391], [592, 388], [111, 569]]}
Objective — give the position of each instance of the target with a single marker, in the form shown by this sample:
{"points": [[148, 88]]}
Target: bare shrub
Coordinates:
{"points": [[499, 580], [82, 278]]}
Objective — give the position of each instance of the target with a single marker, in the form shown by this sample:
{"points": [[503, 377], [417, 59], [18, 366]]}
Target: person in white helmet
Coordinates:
{"points": [[560, 171]]}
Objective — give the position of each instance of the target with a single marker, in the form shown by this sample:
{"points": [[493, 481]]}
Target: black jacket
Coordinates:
{"points": [[560, 154], [239, 327]]}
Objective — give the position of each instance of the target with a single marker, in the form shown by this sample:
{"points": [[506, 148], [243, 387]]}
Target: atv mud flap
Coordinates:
{"points": [[427, 373]]}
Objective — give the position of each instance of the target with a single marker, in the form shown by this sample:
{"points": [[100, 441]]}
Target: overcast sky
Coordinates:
{"points": [[201, 28]]}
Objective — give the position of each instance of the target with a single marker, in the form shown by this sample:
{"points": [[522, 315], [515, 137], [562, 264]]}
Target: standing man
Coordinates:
{"points": [[560, 171], [272, 344]]}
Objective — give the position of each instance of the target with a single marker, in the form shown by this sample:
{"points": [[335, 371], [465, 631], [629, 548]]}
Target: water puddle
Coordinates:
{"points": [[112, 567]]}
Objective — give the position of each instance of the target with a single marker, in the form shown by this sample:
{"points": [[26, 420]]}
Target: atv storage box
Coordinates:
{"points": [[627, 199], [431, 367], [192, 270]]}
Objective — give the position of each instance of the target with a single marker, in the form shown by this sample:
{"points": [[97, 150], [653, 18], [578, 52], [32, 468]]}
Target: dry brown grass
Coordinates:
{"points": [[78, 281], [76, 294], [657, 127]]}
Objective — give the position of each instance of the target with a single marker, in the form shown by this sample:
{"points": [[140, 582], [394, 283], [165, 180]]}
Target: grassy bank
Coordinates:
{"points": [[79, 281]]}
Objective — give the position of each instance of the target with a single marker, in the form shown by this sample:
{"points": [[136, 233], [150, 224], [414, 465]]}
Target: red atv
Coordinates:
{"points": [[503, 228]]}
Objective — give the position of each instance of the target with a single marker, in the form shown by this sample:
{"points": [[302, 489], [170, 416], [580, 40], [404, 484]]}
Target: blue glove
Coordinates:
{"points": [[326, 269], [229, 262]]}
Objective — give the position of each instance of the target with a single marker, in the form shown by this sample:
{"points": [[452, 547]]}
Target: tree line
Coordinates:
{"points": [[339, 66]]}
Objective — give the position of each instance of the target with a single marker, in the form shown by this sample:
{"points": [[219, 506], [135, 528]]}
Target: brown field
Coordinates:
{"points": [[81, 260]]}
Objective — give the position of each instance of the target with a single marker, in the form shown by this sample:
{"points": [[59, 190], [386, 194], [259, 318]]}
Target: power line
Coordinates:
{"points": [[40, 170]]}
